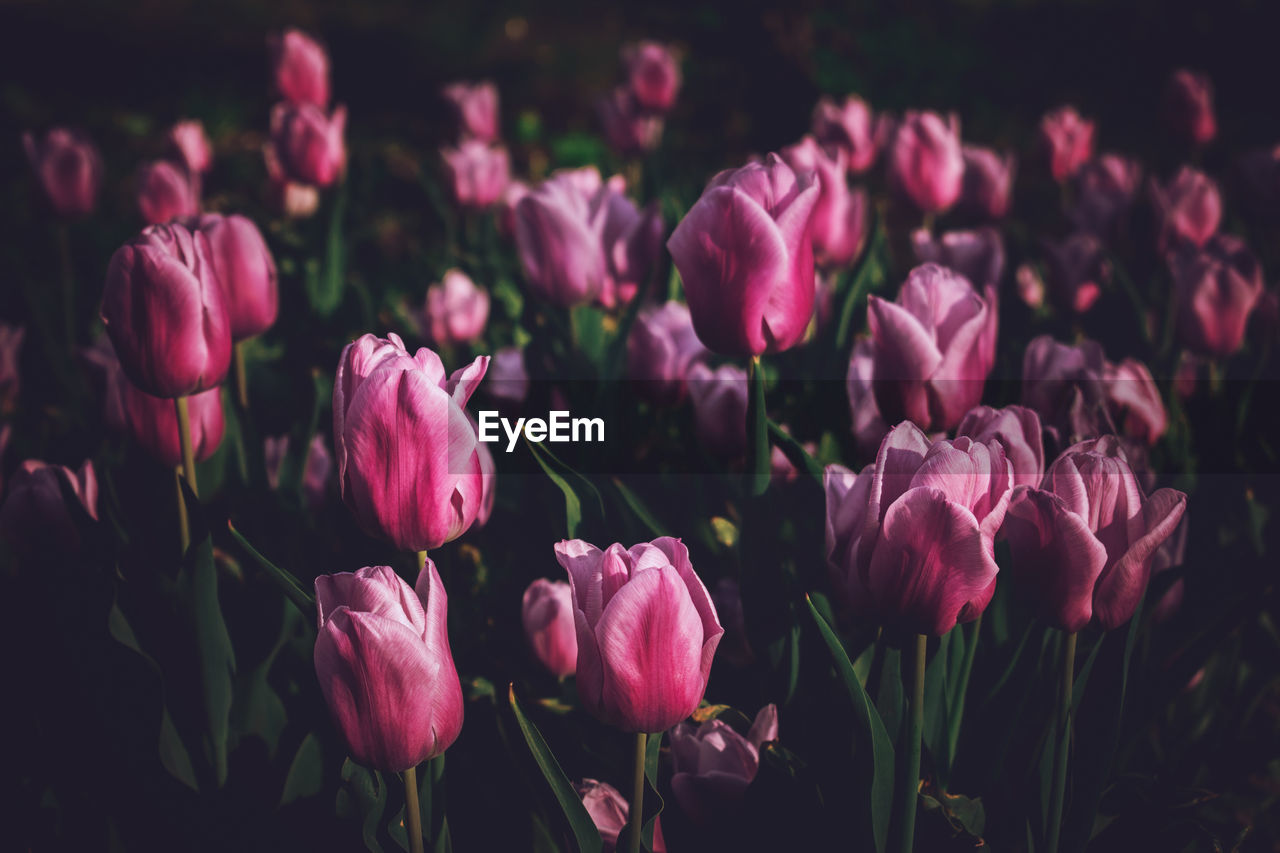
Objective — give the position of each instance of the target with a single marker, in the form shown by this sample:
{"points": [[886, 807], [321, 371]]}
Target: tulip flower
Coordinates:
{"points": [[506, 206], [488, 482], [246, 270], [188, 141], [69, 169], [1133, 400], [849, 126], [456, 310], [477, 172], [408, 467], [840, 217], [647, 632], [1078, 268], [10, 376], [301, 68], [165, 192], [476, 107], [1215, 290], [559, 235], [745, 256], [1188, 208], [610, 811], [1104, 192], [661, 350], [987, 188], [926, 163], [153, 423], [547, 614], [1188, 107], [632, 241], [869, 427], [933, 348], [976, 255], [1068, 140], [316, 470], [384, 665], [629, 129], [653, 74], [306, 145], [719, 408], [508, 377], [910, 540], [1017, 428], [1083, 543], [166, 312], [714, 764], [1030, 286], [36, 519]]}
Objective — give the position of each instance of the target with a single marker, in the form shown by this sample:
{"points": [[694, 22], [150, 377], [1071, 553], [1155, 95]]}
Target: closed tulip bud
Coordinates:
{"points": [[1078, 268], [628, 128], [933, 348], [166, 312], [456, 310], [1134, 402], [632, 240], [246, 270], [653, 73], [869, 427], [661, 350], [840, 215], [848, 126], [1083, 543], [910, 540], [1067, 139], [1104, 192], [301, 68], [476, 108], [316, 469], [477, 172], [508, 377], [306, 145], [10, 376], [976, 255], [559, 235], [1017, 429], [153, 423], [745, 257], [647, 632], [547, 614], [188, 141], [42, 513], [610, 811], [719, 408], [1188, 107], [1188, 208], [384, 665], [165, 192], [714, 764], [69, 170], [408, 465], [987, 188], [1215, 290], [925, 161]]}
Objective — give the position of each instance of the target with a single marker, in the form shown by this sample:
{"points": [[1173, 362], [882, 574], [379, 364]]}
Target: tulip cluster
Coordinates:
{"points": [[306, 150], [633, 113]]}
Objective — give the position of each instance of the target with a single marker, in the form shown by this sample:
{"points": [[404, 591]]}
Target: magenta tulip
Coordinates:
{"points": [[188, 141], [301, 68], [609, 811], [719, 408], [1067, 139], [840, 217], [1215, 290], [456, 310], [166, 312], [165, 192], [384, 665], [1188, 107], [153, 423], [10, 376], [632, 240], [647, 632], [246, 271], [653, 73], [869, 427], [306, 145], [987, 188], [1078, 268], [926, 163], [508, 377], [849, 126], [1134, 402], [1017, 429], [1188, 208], [1083, 543], [488, 482], [547, 614], [560, 233], [477, 172], [36, 519], [714, 764], [661, 350], [69, 169], [1104, 192], [476, 108], [976, 255], [630, 130]]}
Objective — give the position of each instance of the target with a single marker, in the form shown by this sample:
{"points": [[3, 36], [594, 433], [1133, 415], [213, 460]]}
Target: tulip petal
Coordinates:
{"points": [[1122, 586], [905, 357], [376, 590], [582, 562]]}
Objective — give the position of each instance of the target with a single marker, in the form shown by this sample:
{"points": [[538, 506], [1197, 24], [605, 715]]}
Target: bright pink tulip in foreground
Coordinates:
{"points": [[926, 162], [1068, 140], [1188, 208], [745, 256], [307, 145], [153, 423], [647, 632], [661, 350], [456, 309], [408, 465], [987, 188], [384, 665], [910, 540], [166, 312], [188, 140], [165, 192], [1017, 428], [653, 74], [840, 217], [476, 107], [849, 127], [1215, 289], [69, 169], [547, 614], [610, 811], [35, 519], [1083, 543], [477, 172], [977, 255], [1188, 107], [246, 271], [714, 764], [301, 68]]}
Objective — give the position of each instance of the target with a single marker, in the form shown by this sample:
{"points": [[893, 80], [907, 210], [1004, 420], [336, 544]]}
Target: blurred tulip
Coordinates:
{"points": [[1188, 107], [841, 215], [976, 255], [1186, 375], [610, 811], [476, 107], [632, 241], [69, 169], [166, 312], [849, 127], [661, 350], [1068, 140], [745, 257], [1188, 208], [910, 540], [10, 375], [1064, 384], [734, 646], [869, 428], [1104, 192], [166, 192], [294, 200], [1134, 402], [316, 469], [408, 465], [647, 632], [1257, 180], [628, 128], [933, 348], [719, 408], [153, 423], [547, 614], [1215, 290], [1078, 268], [987, 188], [1017, 428], [714, 764], [508, 378], [456, 310], [245, 269], [36, 519], [477, 172], [384, 665], [188, 141], [301, 68], [1030, 286], [506, 206], [306, 145], [1082, 544], [559, 234], [925, 160], [653, 73]]}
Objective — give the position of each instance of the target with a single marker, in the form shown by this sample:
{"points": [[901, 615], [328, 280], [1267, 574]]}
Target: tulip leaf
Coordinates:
{"points": [[873, 747], [362, 797], [575, 493], [288, 583], [580, 823], [869, 274], [587, 325], [325, 281], [306, 772], [638, 508], [796, 455], [757, 430]]}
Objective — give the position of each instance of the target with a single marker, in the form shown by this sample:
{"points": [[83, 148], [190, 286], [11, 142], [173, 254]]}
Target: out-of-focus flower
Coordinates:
{"points": [[165, 192], [850, 127], [301, 68], [508, 377], [1078, 268], [610, 811], [628, 128], [1188, 208], [719, 408], [987, 188], [506, 205], [841, 215], [477, 171], [560, 229], [660, 351], [653, 73], [153, 423], [714, 764], [10, 376], [1134, 401], [188, 141], [1215, 289], [925, 161], [632, 240], [476, 107], [245, 269], [1188, 107], [1104, 192], [36, 519], [546, 612], [69, 169], [977, 255], [1067, 138], [306, 145], [456, 310], [869, 427], [1017, 428], [1030, 286]]}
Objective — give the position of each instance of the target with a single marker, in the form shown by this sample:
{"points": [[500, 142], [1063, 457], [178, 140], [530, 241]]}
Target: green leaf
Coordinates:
{"points": [[306, 772], [362, 797], [758, 469], [795, 453], [580, 823], [574, 494], [869, 275], [325, 282], [287, 583], [638, 508], [587, 323]]}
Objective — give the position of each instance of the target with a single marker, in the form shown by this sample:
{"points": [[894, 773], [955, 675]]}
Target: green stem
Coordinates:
{"points": [[757, 430], [242, 379], [422, 560], [909, 783], [412, 816], [962, 687], [68, 287], [927, 222], [184, 527], [637, 794], [1058, 794], [184, 439]]}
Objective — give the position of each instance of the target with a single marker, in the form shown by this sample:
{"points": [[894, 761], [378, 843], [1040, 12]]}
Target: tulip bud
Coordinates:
{"points": [[628, 128], [246, 270], [165, 192], [976, 255], [316, 470], [632, 241], [850, 128], [301, 68], [839, 224], [476, 107], [559, 234], [1104, 192], [1082, 544], [68, 168], [477, 172], [547, 614], [153, 423], [1188, 208], [408, 466], [925, 162], [1215, 290], [166, 313], [869, 427], [653, 75], [36, 519], [987, 188], [1068, 140], [456, 310], [1188, 107], [660, 351], [1078, 267], [306, 146], [508, 378], [647, 632], [610, 811], [384, 665], [714, 764], [187, 139], [720, 408], [1017, 429], [10, 376]]}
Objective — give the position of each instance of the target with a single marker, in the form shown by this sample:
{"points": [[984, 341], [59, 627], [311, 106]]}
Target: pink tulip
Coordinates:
{"points": [[661, 350], [166, 312], [301, 68], [734, 645], [1017, 429], [653, 73], [477, 172], [910, 540], [506, 206], [849, 127], [629, 129], [745, 256], [153, 423], [1083, 543], [36, 520], [456, 310], [976, 255], [508, 377], [1104, 192], [560, 233], [408, 466], [719, 408], [610, 811], [69, 169], [316, 469], [488, 482], [1215, 290], [1078, 268], [1188, 107], [246, 270], [1068, 140], [189, 142], [925, 161], [10, 375], [1188, 208], [306, 145], [632, 240], [869, 427], [714, 764], [840, 217], [987, 188], [476, 107], [1134, 401], [933, 348], [647, 632], [165, 192], [384, 665], [547, 614], [1030, 286]]}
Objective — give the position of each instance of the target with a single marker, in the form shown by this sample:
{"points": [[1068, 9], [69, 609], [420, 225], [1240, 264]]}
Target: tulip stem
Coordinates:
{"points": [[184, 527], [422, 560], [1057, 796], [412, 815], [242, 378], [637, 794], [184, 440], [68, 287], [909, 784], [757, 430]]}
